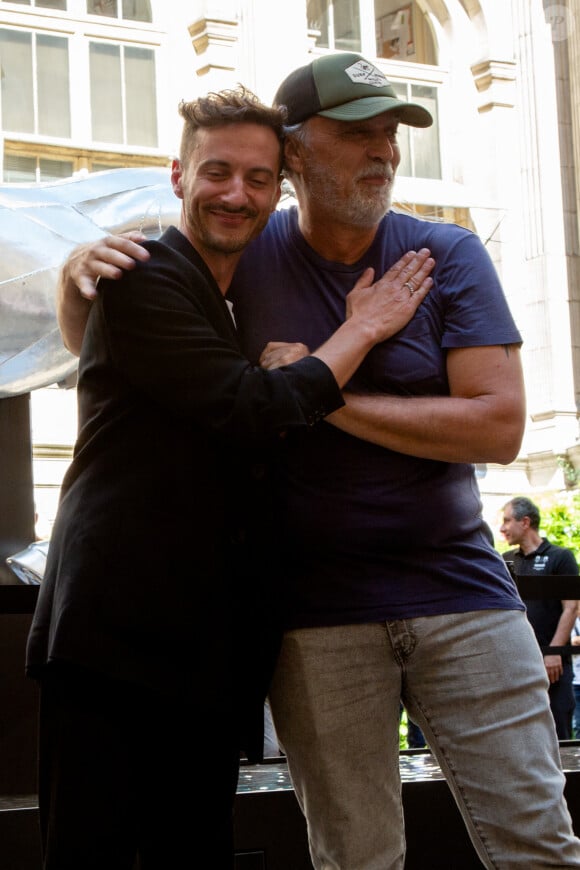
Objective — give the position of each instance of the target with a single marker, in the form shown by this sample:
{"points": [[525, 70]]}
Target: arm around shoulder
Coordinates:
{"points": [[72, 311], [107, 257]]}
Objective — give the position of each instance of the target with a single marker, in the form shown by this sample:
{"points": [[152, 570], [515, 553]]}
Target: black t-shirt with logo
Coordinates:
{"points": [[549, 559]]}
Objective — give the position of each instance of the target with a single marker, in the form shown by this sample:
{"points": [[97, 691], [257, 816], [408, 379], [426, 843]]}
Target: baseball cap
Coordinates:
{"points": [[346, 87]]}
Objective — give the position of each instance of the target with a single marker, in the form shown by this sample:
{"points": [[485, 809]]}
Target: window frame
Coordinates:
{"points": [[409, 84], [119, 17], [32, 4], [35, 34], [123, 47], [78, 9], [79, 29]]}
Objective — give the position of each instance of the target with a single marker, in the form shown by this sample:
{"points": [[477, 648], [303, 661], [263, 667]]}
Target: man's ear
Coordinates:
{"points": [[293, 154], [176, 178], [277, 195]]}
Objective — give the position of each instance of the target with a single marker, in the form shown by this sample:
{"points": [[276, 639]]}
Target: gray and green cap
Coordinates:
{"points": [[346, 87]]}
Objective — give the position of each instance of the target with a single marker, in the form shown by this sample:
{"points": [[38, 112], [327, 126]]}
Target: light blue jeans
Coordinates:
{"points": [[476, 685]]}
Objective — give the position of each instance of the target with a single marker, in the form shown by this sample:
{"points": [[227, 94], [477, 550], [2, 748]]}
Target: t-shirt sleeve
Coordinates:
{"points": [[477, 313], [566, 563]]}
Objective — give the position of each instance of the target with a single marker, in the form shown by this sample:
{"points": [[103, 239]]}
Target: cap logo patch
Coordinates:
{"points": [[365, 73]]}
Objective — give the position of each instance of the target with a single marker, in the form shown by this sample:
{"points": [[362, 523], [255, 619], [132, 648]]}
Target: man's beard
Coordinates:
{"points": [[361, 208]]}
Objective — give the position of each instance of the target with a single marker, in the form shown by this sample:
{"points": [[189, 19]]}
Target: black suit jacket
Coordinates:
{"points": [[156, 564]]}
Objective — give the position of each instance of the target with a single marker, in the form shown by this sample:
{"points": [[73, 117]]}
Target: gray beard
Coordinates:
{"points": [[359, 210]]}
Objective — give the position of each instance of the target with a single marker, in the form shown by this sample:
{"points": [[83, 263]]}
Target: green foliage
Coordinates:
{"points": [[403, 731], [560, 522]]}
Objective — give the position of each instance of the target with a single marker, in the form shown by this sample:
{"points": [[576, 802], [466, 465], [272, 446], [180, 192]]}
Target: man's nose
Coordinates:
{"points": [[235, 193], [382, 146]]}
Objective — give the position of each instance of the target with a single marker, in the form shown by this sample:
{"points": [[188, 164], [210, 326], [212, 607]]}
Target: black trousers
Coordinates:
{"points": [[562, 703], [131, 778]]}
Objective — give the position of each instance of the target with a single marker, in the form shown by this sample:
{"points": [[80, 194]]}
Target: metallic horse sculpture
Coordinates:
{"points": [[39, 225]]}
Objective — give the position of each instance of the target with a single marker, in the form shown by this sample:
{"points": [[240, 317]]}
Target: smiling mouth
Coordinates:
{"points": [[230, 219], [376, 179], [227, 213]]}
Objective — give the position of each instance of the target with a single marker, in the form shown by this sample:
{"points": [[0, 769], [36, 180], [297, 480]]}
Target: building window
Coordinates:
{"points": [[123, 94], [105, 167], [35, 83], [45, 4], [30, 162], [130, 10], [395, 34], [420, 153], [401, 30], [403, 33], [336, 24], [448, 214], [27, 169]]}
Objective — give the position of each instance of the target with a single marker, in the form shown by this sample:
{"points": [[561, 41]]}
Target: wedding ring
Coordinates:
{"points": [[412, 289]]}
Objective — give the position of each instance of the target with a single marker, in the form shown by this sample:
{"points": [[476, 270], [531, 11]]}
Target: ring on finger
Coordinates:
{"points": [[411, 287]]}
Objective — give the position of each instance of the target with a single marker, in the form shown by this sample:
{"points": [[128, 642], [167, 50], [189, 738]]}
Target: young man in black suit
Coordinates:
{"points": [[149, 594]]}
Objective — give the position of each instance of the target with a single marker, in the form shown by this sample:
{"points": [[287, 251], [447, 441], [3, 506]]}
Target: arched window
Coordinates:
{"points": [[403, 32]]}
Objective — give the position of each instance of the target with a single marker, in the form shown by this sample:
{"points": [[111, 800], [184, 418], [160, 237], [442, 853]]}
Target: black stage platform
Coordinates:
{"points": [[270, 830], [270, 823]]}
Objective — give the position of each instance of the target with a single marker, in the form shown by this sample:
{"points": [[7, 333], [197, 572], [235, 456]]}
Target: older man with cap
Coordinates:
{"points": [[391, 588]]}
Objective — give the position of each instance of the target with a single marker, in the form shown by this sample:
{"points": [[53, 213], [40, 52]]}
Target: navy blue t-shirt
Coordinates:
{"points": [[374, 534]]}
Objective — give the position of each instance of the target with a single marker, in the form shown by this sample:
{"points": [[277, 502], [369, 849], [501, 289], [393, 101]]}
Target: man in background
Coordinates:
{"points": [[551, 618]]}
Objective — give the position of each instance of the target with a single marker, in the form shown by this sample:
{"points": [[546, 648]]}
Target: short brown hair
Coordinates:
{"points": [[238, 106]]}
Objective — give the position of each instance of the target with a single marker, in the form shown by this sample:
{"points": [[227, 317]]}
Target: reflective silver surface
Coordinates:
{"points": [[29, 565], [415, 765], [40, 224]]}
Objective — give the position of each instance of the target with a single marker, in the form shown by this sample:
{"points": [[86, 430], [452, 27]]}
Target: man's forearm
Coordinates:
{"points": [[72, 311], [481, 420], [447, 429], [565, 624]]}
